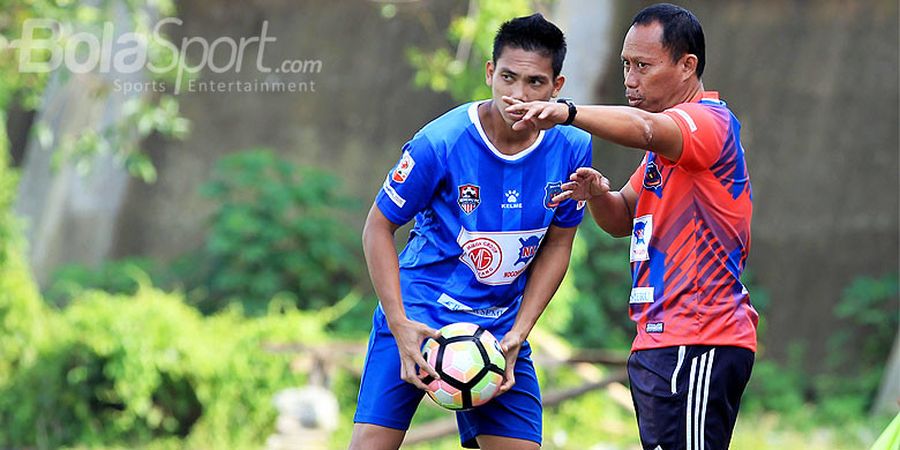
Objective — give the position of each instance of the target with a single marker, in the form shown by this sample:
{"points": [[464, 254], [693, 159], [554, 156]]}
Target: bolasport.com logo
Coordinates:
{"points": [[47, 44]]}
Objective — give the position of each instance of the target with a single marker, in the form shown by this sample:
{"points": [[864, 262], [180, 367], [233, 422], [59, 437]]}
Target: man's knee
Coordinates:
{"points": [[367, 436], [487, 442]]}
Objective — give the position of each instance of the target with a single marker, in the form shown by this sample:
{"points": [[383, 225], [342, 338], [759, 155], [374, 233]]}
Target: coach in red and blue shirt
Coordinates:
{"points": [[688, 210]]}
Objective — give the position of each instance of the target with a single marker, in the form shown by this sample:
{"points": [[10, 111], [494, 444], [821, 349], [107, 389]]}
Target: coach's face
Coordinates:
{"points": [[522, 75], [653, 82]]}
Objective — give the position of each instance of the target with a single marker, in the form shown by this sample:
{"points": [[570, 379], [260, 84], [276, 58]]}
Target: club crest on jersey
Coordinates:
{"points": [[528, 248], [652, 176], [404, 167], [552, 189], [469, 197]]}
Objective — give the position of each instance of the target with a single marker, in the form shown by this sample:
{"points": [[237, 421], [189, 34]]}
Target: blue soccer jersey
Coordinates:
{"points": [[480, 215]]}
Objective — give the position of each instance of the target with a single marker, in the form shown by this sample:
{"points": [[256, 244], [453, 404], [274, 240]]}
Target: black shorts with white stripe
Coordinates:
{"points": [[687, 397]]}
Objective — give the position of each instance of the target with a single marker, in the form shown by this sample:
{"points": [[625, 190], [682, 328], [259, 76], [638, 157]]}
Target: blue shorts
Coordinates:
{"points": [[687, 397], [386, 400]]}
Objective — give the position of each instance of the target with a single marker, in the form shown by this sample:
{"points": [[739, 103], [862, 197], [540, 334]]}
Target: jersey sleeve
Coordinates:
{"points": [[637, 178], [703, 131], [411, 183], [570, 212]]}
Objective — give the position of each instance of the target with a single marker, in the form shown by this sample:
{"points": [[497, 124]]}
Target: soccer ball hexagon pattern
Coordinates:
{"points": [[471, 365]]}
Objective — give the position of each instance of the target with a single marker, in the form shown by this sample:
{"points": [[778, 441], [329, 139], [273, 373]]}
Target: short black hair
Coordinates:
{"points": [[682, 32], [532, 33]]}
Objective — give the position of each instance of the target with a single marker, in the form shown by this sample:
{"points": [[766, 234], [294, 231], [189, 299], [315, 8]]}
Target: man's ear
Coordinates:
{"points": [[489, 72], [557, 85], [688, 65]]}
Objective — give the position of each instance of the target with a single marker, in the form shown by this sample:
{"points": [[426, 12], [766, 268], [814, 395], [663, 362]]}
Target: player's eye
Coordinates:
{"points": [[506, 77], [642, 65]]}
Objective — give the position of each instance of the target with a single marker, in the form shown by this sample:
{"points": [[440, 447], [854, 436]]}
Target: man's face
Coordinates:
{"points": [[653, 82], [522, 75]]}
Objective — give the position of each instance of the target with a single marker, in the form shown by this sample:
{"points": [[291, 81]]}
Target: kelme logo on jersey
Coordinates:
{"points": [[528, 249], [512, 200], [404, 167], [652, 177], [552, 189], [469, 197]]}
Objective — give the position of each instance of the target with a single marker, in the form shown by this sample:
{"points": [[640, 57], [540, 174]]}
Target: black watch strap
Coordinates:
{"points": [[572, 110]]}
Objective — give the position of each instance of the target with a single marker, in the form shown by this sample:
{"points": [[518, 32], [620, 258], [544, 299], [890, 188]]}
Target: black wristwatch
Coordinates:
{"points": [[572, 110]]}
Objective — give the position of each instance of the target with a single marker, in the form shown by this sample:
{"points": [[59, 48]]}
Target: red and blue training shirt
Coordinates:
{"points": [[691, 235]]}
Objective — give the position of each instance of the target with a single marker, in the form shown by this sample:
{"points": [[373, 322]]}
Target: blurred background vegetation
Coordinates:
{"points": [[168, 308]]}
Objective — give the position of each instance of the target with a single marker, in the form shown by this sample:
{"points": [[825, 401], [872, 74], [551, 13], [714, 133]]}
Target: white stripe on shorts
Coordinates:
{"points": [[695, 409]]}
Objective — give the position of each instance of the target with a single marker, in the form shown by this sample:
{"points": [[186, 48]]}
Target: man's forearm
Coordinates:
{"points": [[623, 125], [384, 270], [547, 272], [612, 214]]}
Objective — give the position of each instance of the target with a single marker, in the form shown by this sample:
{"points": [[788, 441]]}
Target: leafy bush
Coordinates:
{"points": [[590, 309], [125, 370], [23, 317], [277, 229], [869, 308], [115, 277]]}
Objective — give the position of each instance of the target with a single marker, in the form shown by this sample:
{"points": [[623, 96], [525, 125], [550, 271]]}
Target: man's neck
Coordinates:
{"points": [[692, 93], [504, 138]]}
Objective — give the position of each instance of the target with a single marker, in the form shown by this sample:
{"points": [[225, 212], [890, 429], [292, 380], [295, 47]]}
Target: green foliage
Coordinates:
{"points": [[591, 307], [115, 277], [24, 320], [858, 351], [277, 229], [458, 68], [140, 116], [125, 370]]}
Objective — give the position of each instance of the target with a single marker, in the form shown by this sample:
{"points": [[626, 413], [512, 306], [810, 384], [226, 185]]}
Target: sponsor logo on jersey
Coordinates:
{"points": [[528, 249], [404, 167], [512, 200], [498, 257], [552, 189], [392, 194], [641, 295], [453, 304], [469, 197], [654, 327], [483, 255], [641, 232], [652, 176]]}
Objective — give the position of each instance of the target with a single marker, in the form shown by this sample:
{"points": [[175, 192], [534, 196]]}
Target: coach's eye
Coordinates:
{"points": [[642, 65]]}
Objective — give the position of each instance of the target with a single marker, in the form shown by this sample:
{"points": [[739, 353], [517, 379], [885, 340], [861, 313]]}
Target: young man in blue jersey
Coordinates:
{"points": [[489, 245]]}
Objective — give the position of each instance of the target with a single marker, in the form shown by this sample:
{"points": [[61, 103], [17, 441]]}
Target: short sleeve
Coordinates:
{"points": [[411, 183], [703, 131], [637, 178], [570, 212]]}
